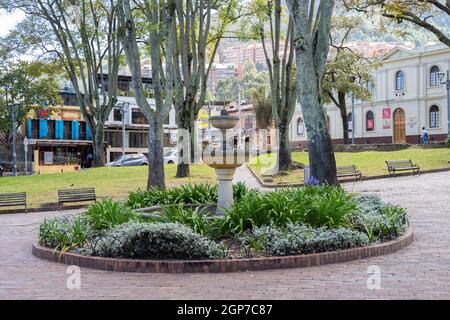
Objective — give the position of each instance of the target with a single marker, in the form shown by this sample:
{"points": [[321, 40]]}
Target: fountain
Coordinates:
{"points": [[225, 162]]}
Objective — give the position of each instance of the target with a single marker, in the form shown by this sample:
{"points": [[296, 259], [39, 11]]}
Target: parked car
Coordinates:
{"points": [[130, 160], [171, 157]]}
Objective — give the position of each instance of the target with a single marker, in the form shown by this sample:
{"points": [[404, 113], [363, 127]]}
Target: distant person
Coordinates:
{"points": [[424, 136], [89, 160]]}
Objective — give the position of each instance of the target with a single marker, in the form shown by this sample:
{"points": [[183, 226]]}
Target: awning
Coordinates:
{"points": [[62, 143]]}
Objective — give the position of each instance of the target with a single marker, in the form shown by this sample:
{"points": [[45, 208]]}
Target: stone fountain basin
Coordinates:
{"points": [[231, 160]]}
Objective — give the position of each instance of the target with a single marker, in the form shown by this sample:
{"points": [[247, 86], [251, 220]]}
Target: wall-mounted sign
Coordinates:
{"points": [[48, 158], [412, 123], [387, 118], [44, 114]]}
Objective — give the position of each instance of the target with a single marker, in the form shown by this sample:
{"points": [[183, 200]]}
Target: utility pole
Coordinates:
{"points": [[353, 119], [14, 112], [123, 110], [240, 116]]}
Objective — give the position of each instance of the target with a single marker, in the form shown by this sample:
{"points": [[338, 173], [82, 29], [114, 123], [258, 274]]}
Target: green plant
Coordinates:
{"points": [[154, 241], [297, 239], [109, 213], [64, 233], [315, 206], [198, 219], [189, 194]]}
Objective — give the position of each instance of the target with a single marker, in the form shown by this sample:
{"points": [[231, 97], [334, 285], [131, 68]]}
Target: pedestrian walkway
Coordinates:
{"points": [[421, 271]]}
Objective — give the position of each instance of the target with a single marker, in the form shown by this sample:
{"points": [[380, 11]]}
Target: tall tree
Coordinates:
{"points": [[200, 26], [157, 18], [312, 28], [422, 13], [83, 35], [347, 72], [281, 64], [31, 85]]}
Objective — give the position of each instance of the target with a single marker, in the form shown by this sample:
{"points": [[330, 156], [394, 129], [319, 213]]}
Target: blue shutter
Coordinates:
{"points": [[43, 129], [75, 130], [88, 132], [30, 129], [59, 134]]}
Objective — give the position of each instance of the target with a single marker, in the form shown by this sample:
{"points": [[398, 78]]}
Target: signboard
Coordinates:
{"points": [[203, 119], [48, 158], [44, 114], [387, 118], [412, 122]]}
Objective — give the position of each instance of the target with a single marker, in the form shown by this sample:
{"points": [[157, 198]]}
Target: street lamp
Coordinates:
{"points": [[442, 76], [123, 110], [353, 119], [14, 109], [25, 145]]}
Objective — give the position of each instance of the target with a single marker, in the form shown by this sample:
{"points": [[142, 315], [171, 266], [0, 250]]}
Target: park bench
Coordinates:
{"points": [[76, 195], [349, 171], [402, 165], [13, 200]]}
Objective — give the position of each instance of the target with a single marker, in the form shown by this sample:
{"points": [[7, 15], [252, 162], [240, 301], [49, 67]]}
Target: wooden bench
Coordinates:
{"points": [[349, 171], [402, 165], [13, 200], [76, 195]]}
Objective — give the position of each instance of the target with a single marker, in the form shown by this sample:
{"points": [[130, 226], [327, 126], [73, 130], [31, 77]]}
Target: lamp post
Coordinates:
{"points": [[353, 119], [14, 108], [123, 110], [25, 146], [442, 76]]}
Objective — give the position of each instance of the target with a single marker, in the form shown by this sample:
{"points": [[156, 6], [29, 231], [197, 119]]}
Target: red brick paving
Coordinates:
{"points": [[420, 271]]}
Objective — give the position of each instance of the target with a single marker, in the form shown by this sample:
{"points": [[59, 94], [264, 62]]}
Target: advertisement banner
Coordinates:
{"points": [[48, 158], [387, 117]]}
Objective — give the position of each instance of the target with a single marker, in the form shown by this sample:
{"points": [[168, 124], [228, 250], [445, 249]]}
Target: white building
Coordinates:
{"points": [[408, 95], [136, 129]]}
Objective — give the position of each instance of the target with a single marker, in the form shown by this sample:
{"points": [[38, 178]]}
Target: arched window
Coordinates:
{"points": [[435, 117], [400, 81], [370, 121], [350, 122], [300, 127], [434, 76]]}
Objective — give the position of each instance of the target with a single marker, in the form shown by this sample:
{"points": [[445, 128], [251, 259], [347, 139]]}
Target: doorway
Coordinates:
{"points": [[399, 126]]}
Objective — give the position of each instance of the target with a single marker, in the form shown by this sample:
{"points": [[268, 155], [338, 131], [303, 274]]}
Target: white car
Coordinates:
{"points": [[171, 157]]}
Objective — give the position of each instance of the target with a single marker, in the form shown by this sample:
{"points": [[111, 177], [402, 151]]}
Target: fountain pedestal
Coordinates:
{"points": [[225, 163], [225, 201]]}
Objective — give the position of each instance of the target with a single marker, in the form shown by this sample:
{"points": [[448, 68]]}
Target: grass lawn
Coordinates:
{"points": [[370, 163], [108, 182]]}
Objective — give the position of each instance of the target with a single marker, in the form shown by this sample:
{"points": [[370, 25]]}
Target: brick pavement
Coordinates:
{"points": [[421, 271]]}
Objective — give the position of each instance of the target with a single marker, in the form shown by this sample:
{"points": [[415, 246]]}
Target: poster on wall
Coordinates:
{"points": [[48, 158], [387, 116]]}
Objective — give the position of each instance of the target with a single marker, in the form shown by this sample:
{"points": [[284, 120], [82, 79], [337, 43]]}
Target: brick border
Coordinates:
{"points": [[364, 178], [224, 266]]}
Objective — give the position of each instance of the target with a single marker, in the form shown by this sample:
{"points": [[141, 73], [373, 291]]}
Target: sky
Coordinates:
{"points": [[8, 21]]}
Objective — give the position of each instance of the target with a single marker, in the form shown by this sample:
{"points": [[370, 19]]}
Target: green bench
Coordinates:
{"points": [[349, 171], [76, 195], [402, 165], [13, 200]]}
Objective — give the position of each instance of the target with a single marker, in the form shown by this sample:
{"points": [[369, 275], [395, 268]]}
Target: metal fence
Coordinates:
{"points": [[6, 159]]}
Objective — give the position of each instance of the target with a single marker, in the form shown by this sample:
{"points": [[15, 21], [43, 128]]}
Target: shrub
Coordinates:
{"points": [[315, 206], [107, 214], [154, 241], [199, 220], [300, 239], [188, 194], [379, 220], [64, 233]]}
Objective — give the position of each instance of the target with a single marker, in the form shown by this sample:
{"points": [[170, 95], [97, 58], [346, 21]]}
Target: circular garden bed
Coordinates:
{"points": [[309, 226]]}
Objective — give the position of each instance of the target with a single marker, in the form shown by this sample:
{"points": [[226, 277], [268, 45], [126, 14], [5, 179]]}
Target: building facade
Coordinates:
{"points": [[407, 96], [221, 72]]}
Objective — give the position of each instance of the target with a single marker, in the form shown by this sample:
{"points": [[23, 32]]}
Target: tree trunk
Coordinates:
{"points": [[284, 152], [184, 124], [98, 147], [344, 116], [321, 155], [156, 176]]}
